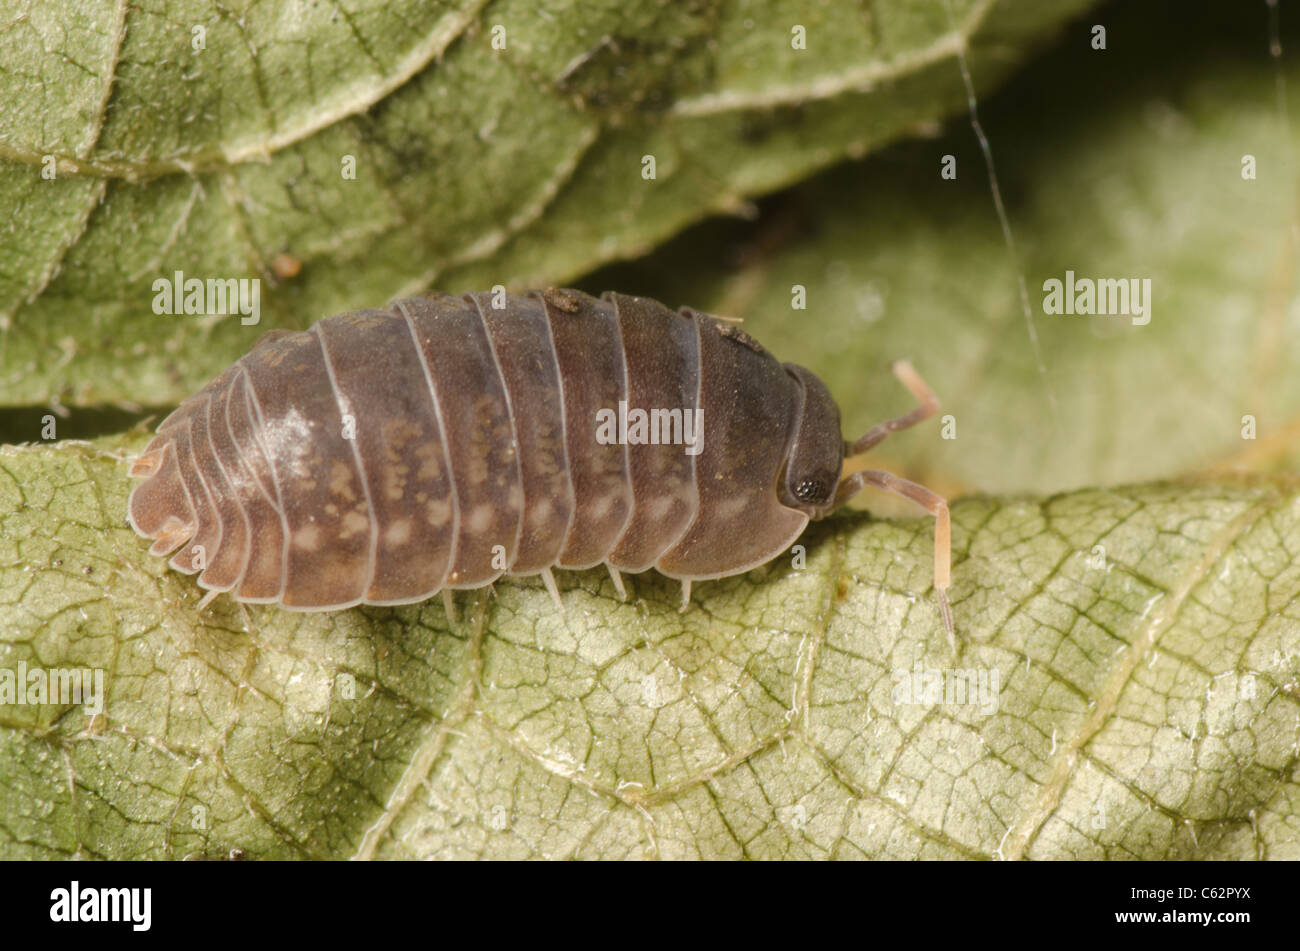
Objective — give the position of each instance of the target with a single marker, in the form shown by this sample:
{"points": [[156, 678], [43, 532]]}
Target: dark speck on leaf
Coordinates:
{"points": [[841, 589]]}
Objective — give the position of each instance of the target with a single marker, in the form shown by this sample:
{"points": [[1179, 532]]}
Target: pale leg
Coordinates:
{"points": [[929, 405], [618, 581], [548, 579]]}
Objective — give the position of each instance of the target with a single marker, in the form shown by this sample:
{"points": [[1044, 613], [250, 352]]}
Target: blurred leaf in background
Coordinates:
{"points": [[1111, 168], [469, 162]]}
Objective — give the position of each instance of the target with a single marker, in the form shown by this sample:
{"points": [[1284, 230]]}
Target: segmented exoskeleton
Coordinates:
{"points": [[385, 455]]}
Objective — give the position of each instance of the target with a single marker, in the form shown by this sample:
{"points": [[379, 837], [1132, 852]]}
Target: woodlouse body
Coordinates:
{"points": [[384, 455]]}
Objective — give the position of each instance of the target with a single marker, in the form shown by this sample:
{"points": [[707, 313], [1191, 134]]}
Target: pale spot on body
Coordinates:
{"points": [[480, 518], [438, 512], [731, 507], [430, 457], [398, 433], [659, 507], [395, 483], [341, 481], [399, 533], [540, 513], [174, 526], [603, 506], [354, 523], [307, 538]]}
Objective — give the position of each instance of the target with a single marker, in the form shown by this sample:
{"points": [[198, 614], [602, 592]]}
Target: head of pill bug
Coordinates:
{"points": [[815, 451]]}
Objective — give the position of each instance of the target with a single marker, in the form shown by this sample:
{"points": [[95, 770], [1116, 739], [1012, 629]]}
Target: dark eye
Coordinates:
{"points": [[811, 490]]}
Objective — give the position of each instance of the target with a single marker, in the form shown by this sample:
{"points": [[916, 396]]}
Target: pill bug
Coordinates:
{"points": [[385, 455]]}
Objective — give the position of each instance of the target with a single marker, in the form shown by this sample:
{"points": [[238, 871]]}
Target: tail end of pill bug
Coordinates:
{"points": [[159, 507], [149, 462]]}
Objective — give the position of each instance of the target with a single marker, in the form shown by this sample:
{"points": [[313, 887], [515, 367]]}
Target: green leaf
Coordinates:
{"points": [[1142, 643], [522, 164], [1145, 639]]}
